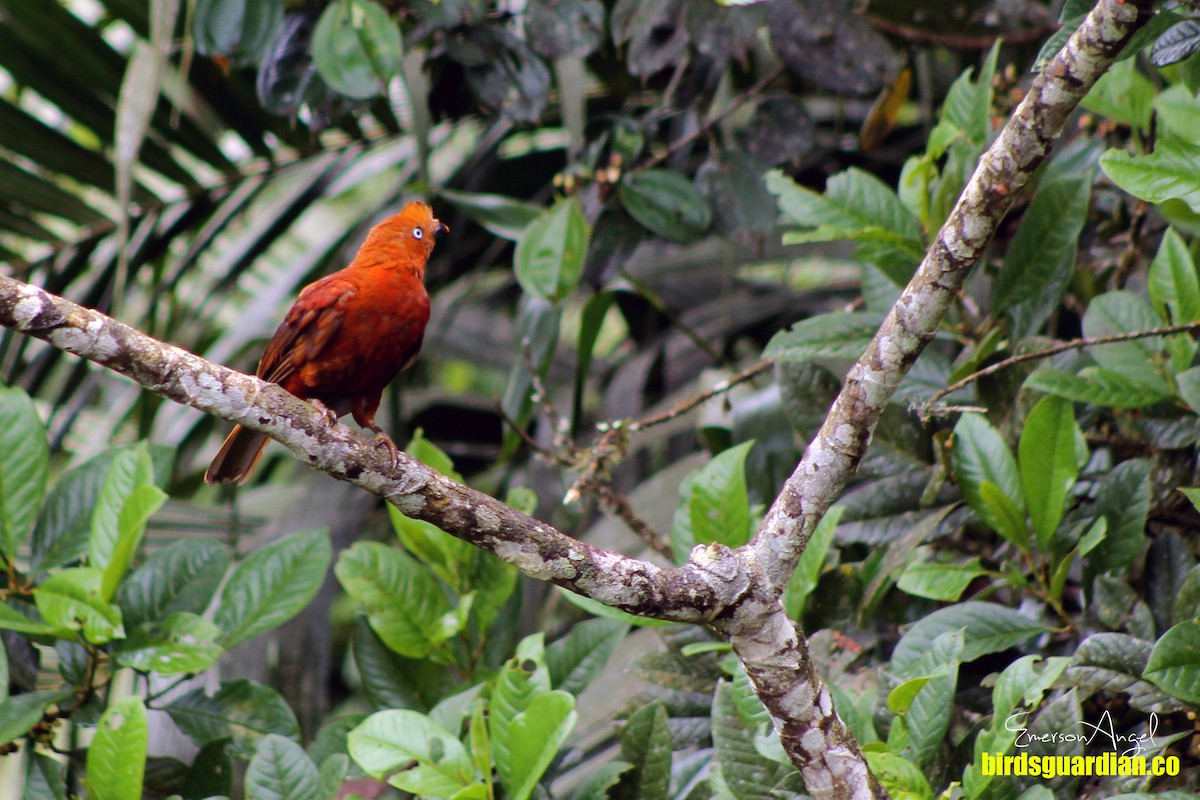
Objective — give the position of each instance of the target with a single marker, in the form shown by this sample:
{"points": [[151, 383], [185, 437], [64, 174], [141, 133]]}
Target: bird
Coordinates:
{"points": [[347, 335]]}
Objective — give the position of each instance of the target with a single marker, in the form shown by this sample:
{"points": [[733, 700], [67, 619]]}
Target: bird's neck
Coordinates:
{"points": [[379, 254]]}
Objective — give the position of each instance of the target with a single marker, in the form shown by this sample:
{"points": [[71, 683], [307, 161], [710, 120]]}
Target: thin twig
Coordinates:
{"points": [[618, 505], [660, 305], [687, 405], [1074, 344]]}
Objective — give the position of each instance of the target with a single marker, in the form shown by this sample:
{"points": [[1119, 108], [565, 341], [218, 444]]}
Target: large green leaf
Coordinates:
{"points": [[1174, 664], [1041, 256], [858, 206], [746, 772], [989, 627], [666, 202], [1123, 497], [550, 252], [1141, 360], [183, 576], [1166, 174], [506, 217], [982, 456], [1174, 287], [646, 744], [387, 743], [20, 712], [116, 760], [577, 658], [356, 47], [1048, 463], [72, 600], [281, 770], [719, 506], [131, 525], [270, 586], [23, 468], [839, 335], [531, 741], [1123, 94], [181, 643], [404, 602], [1097, 386], [929, 714], [128, 471], [242, 710]]}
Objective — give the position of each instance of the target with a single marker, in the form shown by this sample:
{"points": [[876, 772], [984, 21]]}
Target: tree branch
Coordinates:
{"points": [[693, 592], [736, 591]]}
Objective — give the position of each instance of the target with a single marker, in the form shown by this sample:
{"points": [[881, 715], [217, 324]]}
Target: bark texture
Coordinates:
{"points": [[736, 591]]}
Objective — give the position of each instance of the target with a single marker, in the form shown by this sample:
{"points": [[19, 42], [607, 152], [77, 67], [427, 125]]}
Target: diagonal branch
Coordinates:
{"points": [[690, 593]]}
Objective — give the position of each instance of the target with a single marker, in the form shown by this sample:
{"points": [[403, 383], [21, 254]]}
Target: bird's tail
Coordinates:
{"points": [[237, 457]]}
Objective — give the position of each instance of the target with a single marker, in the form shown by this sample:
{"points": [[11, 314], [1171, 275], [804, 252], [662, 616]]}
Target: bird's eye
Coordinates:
{"points": [[418, 233]]}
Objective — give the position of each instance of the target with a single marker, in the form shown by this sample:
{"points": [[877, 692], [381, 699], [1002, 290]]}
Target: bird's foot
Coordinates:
{"points": [[331, 416], [385, 441]]}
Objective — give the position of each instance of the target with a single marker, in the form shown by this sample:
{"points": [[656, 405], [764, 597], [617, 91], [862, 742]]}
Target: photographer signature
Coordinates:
{"points": [[1103, 729]]}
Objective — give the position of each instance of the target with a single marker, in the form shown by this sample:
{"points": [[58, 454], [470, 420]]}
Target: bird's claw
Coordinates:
{"points": [[330, 416], [385, 441]]}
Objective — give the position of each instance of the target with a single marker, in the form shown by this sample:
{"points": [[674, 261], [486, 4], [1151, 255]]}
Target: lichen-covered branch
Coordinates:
{"points": [[764, 638], [736, 591], [691, 593], [1003, 170]]}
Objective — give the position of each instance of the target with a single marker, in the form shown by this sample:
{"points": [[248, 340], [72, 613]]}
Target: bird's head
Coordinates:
{"points": [[414, 230]]}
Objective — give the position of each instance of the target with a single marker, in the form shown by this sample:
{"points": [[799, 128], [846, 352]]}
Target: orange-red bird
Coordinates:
{"points": [[348, 334]]}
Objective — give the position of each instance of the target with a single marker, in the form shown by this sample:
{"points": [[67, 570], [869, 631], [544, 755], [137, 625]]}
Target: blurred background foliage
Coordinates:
{"points": [[189, 166]]}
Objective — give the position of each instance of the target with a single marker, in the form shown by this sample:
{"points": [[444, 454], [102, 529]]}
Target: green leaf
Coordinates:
{"points": [[1123, 94], [386, 744], [1166, 174], [183, 576], [116, 761], [45, 779], [506, 217], [532, 740], [356, 47], [404, 603], [271, 585], [1098, 387], [13, 620], [131, 525], [812, 560], [929, 715], [333, 773], [20, 712], [901, 777], [1123, 498], [967, 108], [1040, 260], [550, 253], [181, 643], [839, 335], [719, 506], [981, 455], [239, 30], [1114, 663], [1174, 287], [1004, 516], [856, 205], [23, 469], [748, 774], [281, 770], [1142, 360], [1174, 664], [576, 659], [1048, 465], [666, 202], [647, 744], [990, 628], [242, 710], [129, 470], [71, 600], [944, 582], [64, 525]]}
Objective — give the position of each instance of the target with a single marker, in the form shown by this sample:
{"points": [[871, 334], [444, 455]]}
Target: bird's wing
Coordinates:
{"points": [[309, 326]]}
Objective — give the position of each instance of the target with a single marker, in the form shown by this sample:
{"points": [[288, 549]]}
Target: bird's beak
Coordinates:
{"points": [[440, 229]]}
